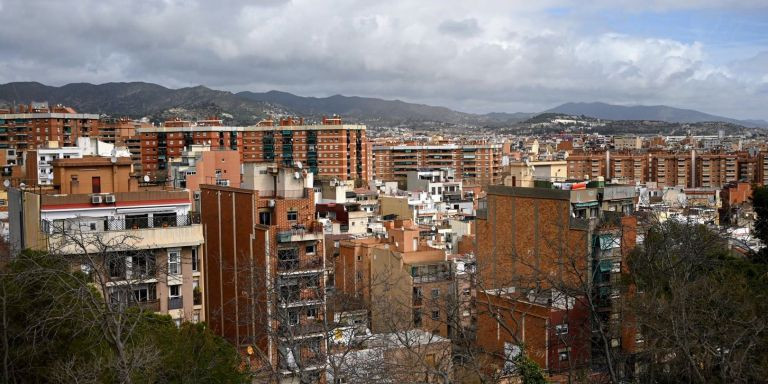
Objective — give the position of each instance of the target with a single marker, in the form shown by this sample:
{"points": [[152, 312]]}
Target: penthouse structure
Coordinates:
{"points": [[143, 241], [328, 150], [267, 265], [476, 162]]}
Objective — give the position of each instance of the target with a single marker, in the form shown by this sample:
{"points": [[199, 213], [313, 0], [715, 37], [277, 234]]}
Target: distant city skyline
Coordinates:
{"points": [[483, 56]]}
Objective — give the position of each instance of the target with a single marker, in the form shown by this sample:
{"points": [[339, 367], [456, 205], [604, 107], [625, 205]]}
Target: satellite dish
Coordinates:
{"points": [[22, 185], [272, 203], [146, 178], [6, 183], [298, 165], [113, 157], [297, 175]]}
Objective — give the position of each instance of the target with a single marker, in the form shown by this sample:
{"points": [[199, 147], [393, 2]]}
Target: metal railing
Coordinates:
{"points": [[440, 276], [102, 224], [175, 302], [299, 264], [299, 230]]}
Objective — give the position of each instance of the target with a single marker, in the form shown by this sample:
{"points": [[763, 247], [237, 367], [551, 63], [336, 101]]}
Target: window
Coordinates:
{"points": [[96, 184], [293, 317], [435, 314], [416, 317], [310, 249], [174, 290], [195, 261], [293, 215], [561, 329], [563, 354], [265, 218], [174, 262], [311, 312], [435, 293]]}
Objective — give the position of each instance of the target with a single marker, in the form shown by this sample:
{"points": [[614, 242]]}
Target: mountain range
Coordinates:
{"points": [[138, 99]]}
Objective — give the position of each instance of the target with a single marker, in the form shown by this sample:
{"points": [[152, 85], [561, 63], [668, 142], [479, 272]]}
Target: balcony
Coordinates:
{"points": [[175, 303], [136, 233], [150, 305], [301, 233], [298, 265]]}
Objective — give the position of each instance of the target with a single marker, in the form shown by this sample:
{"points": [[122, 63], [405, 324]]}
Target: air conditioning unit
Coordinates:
{"points": [[109, 199], [96, 199]]}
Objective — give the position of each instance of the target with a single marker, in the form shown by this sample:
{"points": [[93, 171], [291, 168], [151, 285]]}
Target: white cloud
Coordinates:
{"points": [[480, 56]]}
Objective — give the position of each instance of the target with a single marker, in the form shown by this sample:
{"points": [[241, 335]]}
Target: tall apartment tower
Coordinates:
{"points": [[266, 282]]}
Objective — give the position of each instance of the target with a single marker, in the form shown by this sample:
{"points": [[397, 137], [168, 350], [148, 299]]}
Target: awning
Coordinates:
{"points": [[609, 242], [585, 205], [605, 265]]}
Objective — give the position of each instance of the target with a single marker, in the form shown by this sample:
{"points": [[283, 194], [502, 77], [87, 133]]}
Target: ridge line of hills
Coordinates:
{"points": [[140, 99]]}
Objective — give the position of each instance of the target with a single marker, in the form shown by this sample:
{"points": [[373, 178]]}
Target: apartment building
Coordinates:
{"points": [[532, 242], [29, 126], [689, 169], [143, 240], [39, 167], [328, 150], [474, 162], [266, 285]]}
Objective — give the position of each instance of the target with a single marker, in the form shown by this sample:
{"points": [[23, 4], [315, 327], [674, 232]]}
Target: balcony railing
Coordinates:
{"points": [[429, 278], [299, 264], [299, 233], [119, 224], [150, 305], [175, 302]]}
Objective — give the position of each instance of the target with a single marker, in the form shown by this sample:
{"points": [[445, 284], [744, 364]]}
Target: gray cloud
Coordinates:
{"points": [[460, 28], [483, 56]]}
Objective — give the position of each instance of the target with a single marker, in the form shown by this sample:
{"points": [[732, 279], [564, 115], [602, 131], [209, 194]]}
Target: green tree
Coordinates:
{"points": [[51, 332], [529, 371], [700, 310]]}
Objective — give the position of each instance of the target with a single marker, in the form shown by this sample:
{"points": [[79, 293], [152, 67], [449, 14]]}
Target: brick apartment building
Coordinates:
{"points": [[329, 150], [403, 282], [474, 162], [690, 169], [266, 277], [532, 244]]}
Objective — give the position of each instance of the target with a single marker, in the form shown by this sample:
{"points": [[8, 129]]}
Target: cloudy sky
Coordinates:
{"points": [[476, 56]]}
